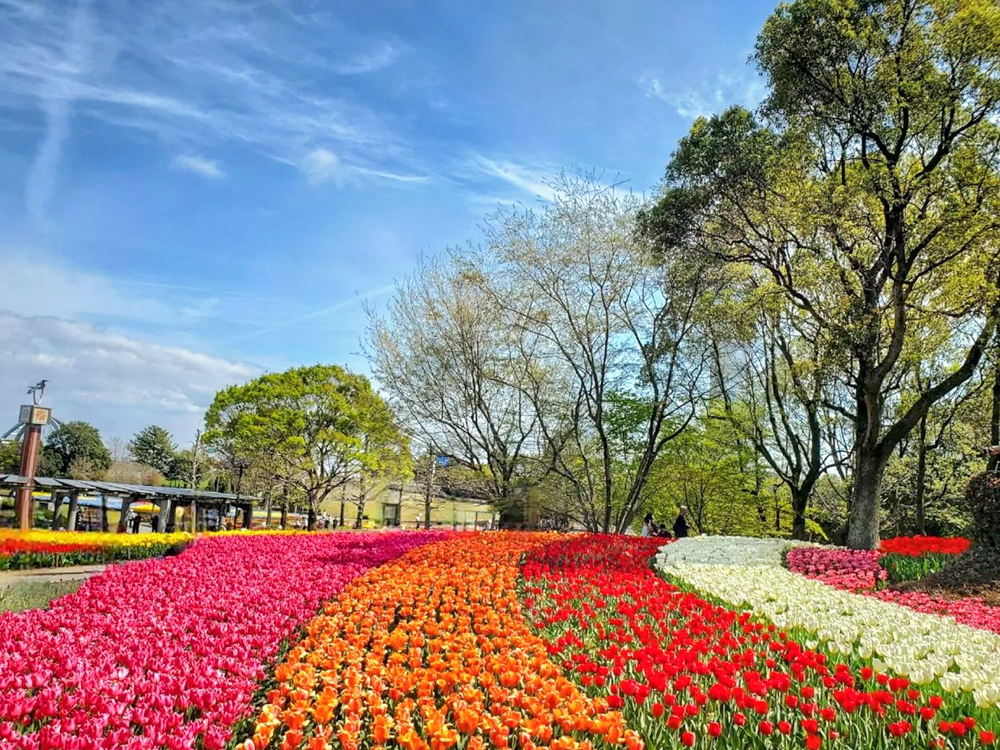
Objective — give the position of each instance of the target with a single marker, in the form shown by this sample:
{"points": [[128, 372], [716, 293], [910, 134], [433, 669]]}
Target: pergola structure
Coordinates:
{"points": [[168, 498]]}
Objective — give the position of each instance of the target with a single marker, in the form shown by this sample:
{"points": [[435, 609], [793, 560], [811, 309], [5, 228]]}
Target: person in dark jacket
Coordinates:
{"points": [[681, 524]]}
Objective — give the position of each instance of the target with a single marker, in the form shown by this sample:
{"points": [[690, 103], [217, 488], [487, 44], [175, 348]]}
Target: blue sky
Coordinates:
{"points": [[196, 191]]}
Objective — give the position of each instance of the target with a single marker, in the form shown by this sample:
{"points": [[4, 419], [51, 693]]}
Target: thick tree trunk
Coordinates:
{"points": [[920, 490], [359, 519], [800, 503], [312, 512], [863, 527]]}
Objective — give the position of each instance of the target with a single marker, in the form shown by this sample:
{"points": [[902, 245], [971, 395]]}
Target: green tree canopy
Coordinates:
{"points": [[10, 457], [864, 196], [311, 428], [72, 446], [154, 447]]}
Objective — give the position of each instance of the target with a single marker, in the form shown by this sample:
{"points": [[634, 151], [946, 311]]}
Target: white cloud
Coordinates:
{"points": [[321, 165], [117, 382], [711, 97], [199, 165], [532, 180]]}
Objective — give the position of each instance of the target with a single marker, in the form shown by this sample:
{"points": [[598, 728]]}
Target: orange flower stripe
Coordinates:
{"points": [[428, 652]]}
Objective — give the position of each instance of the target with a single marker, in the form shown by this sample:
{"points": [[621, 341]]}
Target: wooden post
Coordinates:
{"points": [[104, 513], [126, 504], [74, 509], [25, 503], [248, 516], [57, 500], [194, 515]]}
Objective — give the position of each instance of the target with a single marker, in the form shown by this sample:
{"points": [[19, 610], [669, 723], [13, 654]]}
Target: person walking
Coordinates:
{"points": [[648, 526], [681, 525]]}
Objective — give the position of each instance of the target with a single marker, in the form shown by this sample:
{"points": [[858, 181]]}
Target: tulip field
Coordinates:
{"points": [[438, 640], [48, 549]]}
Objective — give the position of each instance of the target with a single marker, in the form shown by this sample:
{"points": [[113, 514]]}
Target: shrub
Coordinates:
{"points": [[983, 500]]}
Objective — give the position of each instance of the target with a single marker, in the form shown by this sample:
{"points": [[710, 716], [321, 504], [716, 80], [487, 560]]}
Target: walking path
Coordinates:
{"points": [[49, 575]]}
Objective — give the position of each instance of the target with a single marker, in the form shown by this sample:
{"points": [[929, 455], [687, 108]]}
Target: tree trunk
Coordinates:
{"points": [[995, 416], [311, 499], [800, 503], [427, 505], [361, 503], [921, 473], [863, 523], [284, 515], [343, 503]]}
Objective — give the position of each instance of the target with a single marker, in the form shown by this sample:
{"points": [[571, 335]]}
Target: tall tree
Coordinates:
{"points": [[454, 376], [75, 446], [311, 428], [868, 197], [154, 447], [598, 316]]}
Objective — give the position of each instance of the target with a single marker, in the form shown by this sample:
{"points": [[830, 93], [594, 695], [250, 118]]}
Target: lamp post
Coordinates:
{"points": [[33, 417]]}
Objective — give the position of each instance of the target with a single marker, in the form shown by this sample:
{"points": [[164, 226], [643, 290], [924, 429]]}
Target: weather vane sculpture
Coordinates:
{"points": [[37, 391]]}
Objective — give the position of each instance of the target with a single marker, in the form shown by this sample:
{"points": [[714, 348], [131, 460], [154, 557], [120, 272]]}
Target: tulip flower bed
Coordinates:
{"points": [[168, 653], [55, 549], [915, 546], [686, 672], [899, 559], [928, 649], [428, 652], [911, 559]]}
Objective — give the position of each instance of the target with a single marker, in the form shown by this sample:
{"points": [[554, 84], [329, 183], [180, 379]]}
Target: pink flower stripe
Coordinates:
{"points": [[970, 611], [855, 570], [167, 653]]}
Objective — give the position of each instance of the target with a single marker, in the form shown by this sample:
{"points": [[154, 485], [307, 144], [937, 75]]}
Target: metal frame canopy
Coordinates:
{"points": [[174, 496], [117, 488]]}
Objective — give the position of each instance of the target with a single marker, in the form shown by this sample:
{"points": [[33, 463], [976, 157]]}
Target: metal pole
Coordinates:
{"points": [[194, 460]]}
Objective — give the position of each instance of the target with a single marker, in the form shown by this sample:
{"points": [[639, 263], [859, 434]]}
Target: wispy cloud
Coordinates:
{"points": [[532, 180], [199, 165], [726, 89], [321, 312], [56, 103], [234, 74], [377, 59]]}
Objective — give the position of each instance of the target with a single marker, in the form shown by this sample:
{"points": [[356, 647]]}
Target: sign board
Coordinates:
{"points": [[442, 461], [32, 414], [210, 451]]}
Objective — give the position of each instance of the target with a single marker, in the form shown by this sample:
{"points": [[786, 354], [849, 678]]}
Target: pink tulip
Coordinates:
{"points": [[167, 653]]}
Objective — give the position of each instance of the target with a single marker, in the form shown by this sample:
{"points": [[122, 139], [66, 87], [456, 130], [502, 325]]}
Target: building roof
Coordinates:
{"points": [[119, 489]]}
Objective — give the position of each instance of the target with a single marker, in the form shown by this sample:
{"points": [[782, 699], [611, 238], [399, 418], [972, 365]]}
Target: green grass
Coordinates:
{"points": [[34, 594]]}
